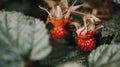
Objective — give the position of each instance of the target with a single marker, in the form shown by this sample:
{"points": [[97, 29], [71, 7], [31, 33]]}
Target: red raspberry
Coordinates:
{"points": [[58, 32], [87, 44], [59, 23]]}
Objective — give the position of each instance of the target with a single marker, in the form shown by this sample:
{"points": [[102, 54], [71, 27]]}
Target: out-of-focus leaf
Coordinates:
{"points": [[70, 64], [9, 58], [111, 27], [25, 35], [50, 3], [105, 56]]}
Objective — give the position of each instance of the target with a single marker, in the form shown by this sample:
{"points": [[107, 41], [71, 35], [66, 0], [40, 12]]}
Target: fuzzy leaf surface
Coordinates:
{"points": [[105, 56], [27, 36]]}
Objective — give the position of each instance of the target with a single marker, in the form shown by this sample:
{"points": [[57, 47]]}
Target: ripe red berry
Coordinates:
{"points": [[87, 44], [58, 32], [59, 23]]}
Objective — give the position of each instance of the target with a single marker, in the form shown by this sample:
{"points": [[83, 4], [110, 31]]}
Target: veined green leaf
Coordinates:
{"points": [[105, 56], [25, 35], [9, 58]]}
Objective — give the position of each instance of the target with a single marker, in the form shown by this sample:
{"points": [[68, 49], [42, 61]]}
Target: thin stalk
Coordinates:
{"points": [[46, 11]]}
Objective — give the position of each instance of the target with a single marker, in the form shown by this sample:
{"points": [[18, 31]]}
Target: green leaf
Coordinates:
{"points": [[105, 56], [25, 35], [9, 58], [112, 26]]}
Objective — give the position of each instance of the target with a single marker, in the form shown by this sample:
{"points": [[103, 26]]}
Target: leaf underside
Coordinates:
{"points": [[105, 56], [25, 35]]}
